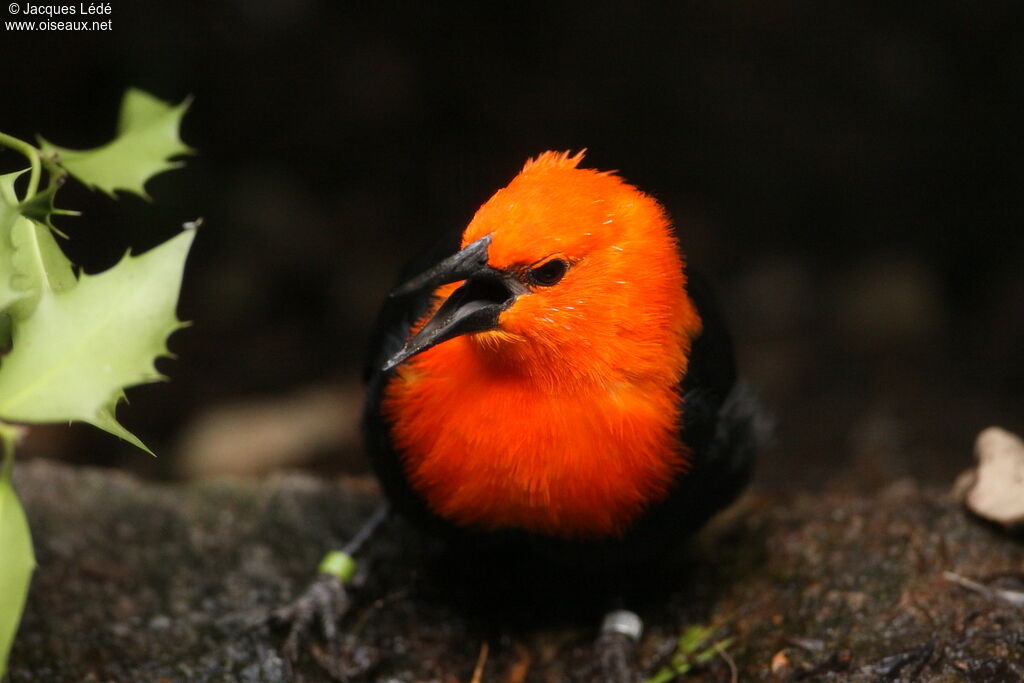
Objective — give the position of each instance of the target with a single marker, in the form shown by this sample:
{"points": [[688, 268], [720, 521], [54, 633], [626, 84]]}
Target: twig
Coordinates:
{"points": [[733, 673], [376, 605], [481, 661], [1015, 598], [521, 667]]}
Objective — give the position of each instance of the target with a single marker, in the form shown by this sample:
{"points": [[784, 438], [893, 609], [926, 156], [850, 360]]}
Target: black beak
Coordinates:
{"points": [[458, 266], [473, 307]]}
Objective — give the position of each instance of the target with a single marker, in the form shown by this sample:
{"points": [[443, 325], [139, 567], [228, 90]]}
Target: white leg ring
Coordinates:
{"points": [[624, 622]]}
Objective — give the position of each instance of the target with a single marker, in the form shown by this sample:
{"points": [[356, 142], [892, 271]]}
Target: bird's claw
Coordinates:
{"points": [[614, 648], [614, 658], [325, 598]]}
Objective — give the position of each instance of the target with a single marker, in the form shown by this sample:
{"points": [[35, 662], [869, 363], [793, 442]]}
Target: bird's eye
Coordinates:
{"points": [[548, 273]]}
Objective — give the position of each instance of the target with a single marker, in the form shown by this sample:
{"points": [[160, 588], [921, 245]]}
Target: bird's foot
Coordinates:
{"points": [[614, 649], [325, 601]]}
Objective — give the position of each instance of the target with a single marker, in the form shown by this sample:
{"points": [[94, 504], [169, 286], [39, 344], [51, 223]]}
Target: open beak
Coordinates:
{"points": [[473, 307]]}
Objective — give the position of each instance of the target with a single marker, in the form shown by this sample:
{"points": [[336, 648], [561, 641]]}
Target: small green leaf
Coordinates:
{"points": [[147, 138], [81, 347], [664, 675], [41, 209], [693, 637], [30, 258], [18, 558], [692, 650]]}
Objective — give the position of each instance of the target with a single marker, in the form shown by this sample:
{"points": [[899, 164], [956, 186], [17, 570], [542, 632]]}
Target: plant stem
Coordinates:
{"points": [[33, 157]]}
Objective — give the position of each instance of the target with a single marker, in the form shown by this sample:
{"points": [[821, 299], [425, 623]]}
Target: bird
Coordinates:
{"points": [[555, 381], [562, 377], [559, 380]]}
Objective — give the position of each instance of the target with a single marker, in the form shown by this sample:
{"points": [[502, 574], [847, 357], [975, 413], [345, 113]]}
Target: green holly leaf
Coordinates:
{"points": [[8, 197], [147, 138], [38, 265], [81, 347], [9, 214], [18, 558]]}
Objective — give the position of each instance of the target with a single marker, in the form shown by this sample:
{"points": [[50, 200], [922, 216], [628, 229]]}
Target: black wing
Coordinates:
{"points": [[390, 333], [722, 421]]}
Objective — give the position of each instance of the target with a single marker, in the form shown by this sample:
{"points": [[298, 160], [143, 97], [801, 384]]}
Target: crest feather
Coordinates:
{"points": [[555, 160]]}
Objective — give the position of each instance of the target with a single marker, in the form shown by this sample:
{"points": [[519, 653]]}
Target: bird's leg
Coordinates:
{"points": [[620, 632], [326, 599]]}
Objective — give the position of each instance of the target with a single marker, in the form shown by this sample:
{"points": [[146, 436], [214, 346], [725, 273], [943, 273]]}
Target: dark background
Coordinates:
{"points": [[849, 174]]}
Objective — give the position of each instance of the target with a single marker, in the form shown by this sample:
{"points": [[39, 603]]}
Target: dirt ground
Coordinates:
{"points": [[142, 581]]}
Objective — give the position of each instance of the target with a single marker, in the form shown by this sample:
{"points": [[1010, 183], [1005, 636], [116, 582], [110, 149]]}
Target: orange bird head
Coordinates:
{"points": [[568, 274], [541, 389]]}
